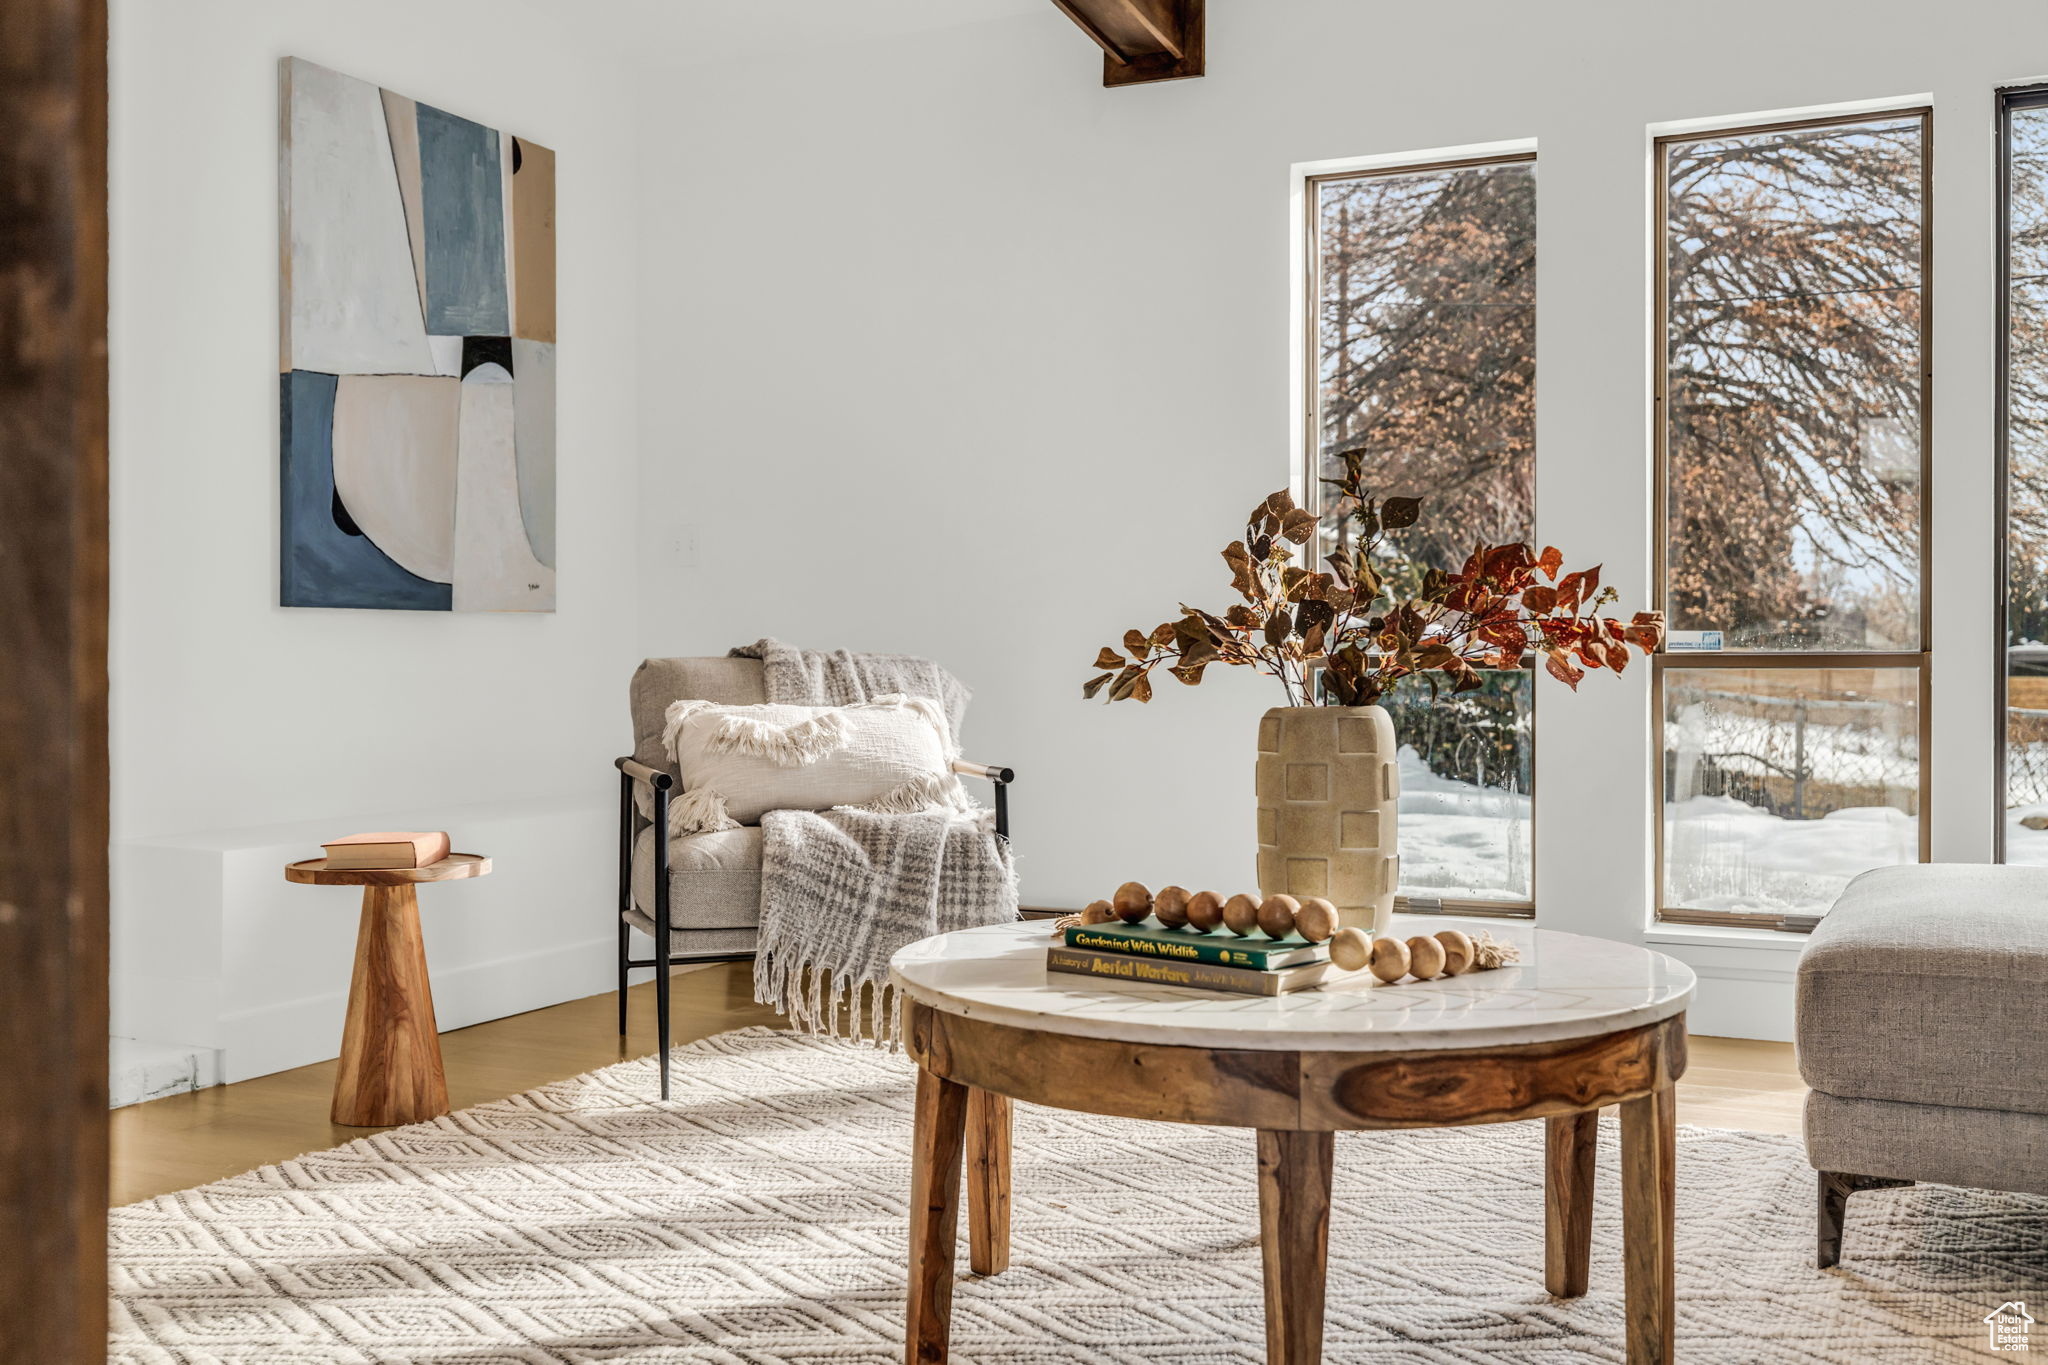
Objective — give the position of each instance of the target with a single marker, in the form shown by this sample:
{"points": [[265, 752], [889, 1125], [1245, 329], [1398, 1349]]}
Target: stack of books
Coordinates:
{"points": [[1215, 961], [389, 850]]}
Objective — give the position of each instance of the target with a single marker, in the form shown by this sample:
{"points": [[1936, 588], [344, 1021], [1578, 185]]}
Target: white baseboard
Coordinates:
{"points": [[1732, 1005], [291, 1033], [138, 1070], [1746, 979], [211, 946]]}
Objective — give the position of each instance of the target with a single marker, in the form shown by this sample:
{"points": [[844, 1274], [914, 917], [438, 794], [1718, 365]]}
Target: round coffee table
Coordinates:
{"points": [[390, 1069], [1579, 1024]]}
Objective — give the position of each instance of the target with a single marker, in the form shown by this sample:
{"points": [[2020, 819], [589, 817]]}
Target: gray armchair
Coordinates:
{"points": [[698, 897]]}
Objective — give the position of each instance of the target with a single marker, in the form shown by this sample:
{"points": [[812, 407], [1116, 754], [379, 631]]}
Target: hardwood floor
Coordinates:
{"points": [[184, 1140], [189, 1139], [1741, 1083]]}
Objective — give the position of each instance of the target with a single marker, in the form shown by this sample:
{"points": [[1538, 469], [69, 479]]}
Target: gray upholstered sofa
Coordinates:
{"points": [[1922, 1012], [697, 897]]}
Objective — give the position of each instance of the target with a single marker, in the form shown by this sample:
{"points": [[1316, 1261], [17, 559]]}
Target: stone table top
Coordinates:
{"points": [[1566, 986]]}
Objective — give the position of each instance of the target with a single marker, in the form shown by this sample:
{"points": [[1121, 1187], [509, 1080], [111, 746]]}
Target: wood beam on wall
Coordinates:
{"points": [[1143, 41], [53, 682]]}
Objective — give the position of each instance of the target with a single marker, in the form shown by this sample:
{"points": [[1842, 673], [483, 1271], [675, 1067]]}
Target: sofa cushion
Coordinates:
{"points": [[657, 682], [1979, 1149], [714, 880], [1929, 985]]}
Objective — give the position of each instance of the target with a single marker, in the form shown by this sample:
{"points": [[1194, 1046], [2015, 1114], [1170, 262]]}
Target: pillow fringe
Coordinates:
{"points": [[786, 746], [699, 812], [672, 723]]}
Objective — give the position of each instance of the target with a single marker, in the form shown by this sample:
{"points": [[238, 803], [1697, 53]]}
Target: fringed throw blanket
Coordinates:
{"points": [[838, 677], [842, 890]]}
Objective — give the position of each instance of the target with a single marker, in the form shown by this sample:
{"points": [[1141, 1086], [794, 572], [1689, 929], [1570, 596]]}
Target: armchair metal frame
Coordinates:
{"points": [[659, 785]]}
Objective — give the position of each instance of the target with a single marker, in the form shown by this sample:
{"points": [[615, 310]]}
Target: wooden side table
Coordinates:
{"points": [[390, 1070], [1578, 1025]]}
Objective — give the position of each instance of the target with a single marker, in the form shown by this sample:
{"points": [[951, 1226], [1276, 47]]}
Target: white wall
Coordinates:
{"points": [[961, 353], [947, 349], [233, 716]]}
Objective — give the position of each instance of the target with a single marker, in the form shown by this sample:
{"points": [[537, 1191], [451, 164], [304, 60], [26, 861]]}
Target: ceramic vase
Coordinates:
{"points": [[1329, 792]]}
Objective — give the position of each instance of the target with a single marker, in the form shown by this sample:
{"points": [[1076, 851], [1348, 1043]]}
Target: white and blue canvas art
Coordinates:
{"points": [[417, 333]]}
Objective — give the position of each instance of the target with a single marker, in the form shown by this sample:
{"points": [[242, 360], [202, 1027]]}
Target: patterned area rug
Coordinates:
{"points": [[760, 1218]]}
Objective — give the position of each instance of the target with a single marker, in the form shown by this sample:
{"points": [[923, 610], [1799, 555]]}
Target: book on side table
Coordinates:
{"points": [[386, 850]]}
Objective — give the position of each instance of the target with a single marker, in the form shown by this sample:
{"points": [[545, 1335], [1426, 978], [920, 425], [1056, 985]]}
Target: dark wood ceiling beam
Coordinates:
{"points": [[1143, 41], [1159, 22]]}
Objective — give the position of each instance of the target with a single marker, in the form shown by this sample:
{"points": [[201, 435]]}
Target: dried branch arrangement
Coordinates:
{"points": [[1351, 626]]}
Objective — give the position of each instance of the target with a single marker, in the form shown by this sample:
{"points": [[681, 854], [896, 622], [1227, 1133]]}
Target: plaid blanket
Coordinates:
{"points": [[843, 890]]}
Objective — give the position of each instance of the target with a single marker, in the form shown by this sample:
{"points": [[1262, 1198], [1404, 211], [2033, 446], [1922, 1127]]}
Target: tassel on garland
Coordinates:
{"points": [[1489, 952]]}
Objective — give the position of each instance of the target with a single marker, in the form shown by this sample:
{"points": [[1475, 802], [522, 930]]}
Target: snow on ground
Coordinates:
{"points": [[1459, 839], [2023, 846], [1720, 854]]}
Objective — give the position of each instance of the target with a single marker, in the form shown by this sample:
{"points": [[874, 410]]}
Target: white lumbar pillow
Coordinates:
{"points": [[893, 754]]}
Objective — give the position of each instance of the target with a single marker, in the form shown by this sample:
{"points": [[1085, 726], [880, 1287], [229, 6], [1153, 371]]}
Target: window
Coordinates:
{"points": [[1791, 433], [2023, 441], [1422, 317]]}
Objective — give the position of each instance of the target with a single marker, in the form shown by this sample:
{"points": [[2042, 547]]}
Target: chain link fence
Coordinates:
{"points": [[1481, 737], [2026, 756], [1797, 757]]}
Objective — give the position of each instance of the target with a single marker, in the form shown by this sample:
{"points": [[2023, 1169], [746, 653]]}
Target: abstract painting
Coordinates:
{"points": [[417, 331]]}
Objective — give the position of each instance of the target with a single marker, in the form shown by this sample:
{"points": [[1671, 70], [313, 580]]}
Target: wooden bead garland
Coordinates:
{"points": [[1241, 914], [1316, 920], [1457, 951], [1132, 902], [1205, 911], [1351, 950], [1276, 916], [1448, 952], [1389, 960], [1310, 918], [1425, 957]]}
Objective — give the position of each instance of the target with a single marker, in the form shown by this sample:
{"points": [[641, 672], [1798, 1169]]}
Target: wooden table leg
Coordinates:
{"points": [[1294, 1230], [1649, 1195], [988, 1181], [934, 1215], [1570, 1143], [390, 1069]]}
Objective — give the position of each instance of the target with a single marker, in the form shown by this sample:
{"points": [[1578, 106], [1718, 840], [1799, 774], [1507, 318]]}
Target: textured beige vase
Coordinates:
{"points": [[1329, 790]]}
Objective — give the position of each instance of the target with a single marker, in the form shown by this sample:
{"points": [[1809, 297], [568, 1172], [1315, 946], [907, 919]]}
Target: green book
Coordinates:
{"points": [[1201, 976], [1219, 946]]}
